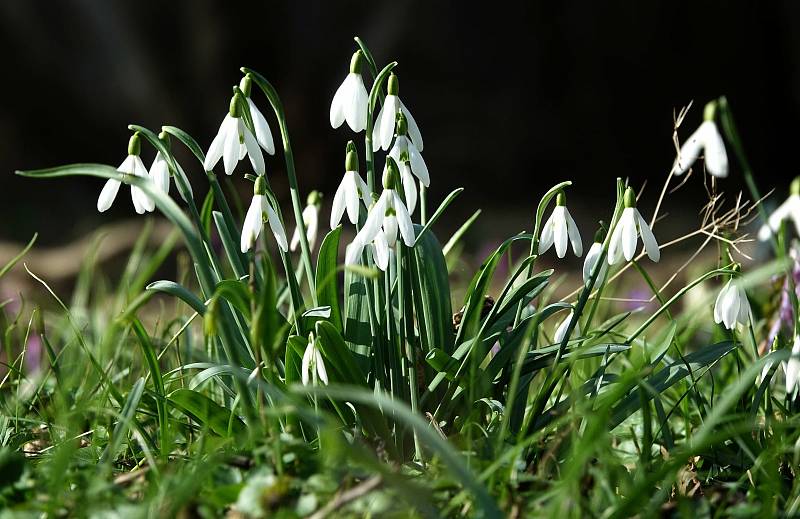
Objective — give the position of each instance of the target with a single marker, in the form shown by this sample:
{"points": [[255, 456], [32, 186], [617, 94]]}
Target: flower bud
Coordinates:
{"points": [[709, 111], [351, 158], [234, 106], [246, 84], [356, 61], [314, 198], [260, 187], [794, 188], [390, 174], [630, 197], [394, 85], [561, 199], [134, 146]]}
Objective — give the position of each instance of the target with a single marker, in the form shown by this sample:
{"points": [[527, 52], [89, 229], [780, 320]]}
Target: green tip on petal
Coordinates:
{"points": [[260, 187], [246, 84], [356, 62], [630, 197], [351, 159], [402, 124], [561, 199], [314, 198], [390, 174], [134, 145], [394, 85], [709, 111], [794, 188]]}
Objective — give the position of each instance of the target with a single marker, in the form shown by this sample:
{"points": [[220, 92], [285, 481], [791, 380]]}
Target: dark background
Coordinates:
{"points": [[510, 98]]}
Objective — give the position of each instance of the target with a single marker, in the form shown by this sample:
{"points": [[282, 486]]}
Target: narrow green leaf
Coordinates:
{"points": [[326, 275], [179, 291], [207, 413]]}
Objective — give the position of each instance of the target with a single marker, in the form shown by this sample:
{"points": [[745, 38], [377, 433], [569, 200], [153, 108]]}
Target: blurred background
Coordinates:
{"points": [[510, 98]]}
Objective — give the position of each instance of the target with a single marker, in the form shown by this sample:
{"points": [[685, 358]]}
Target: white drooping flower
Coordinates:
{"points": [[708, 139], [629, 227], [351, 191], [410, 160], [561, 331], [263, 133], [132, 165], [159, 172], [732, 306], [559, 229], [788, 209], [351, 99], [233, 141], [388, 215], [254, 220], [383, 130], [312, 362], [793, 367], [592, 257], [310, 220]]}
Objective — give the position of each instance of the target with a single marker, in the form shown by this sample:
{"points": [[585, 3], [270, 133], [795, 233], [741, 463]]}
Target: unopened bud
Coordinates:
{"points": [[314, 198], [394, 85], [390, 174], [246, 84], [630, 197], [794, 188], [351, 158], [402, 124]]}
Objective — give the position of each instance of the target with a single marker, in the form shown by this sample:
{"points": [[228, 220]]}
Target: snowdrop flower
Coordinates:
{"points": [[312, 362], [629, 227], [732, 306], [793, 367], [159, 169], [592, 257], [383, 221], [351, 98], [233, 141], [132, 165], [384, 125], [263, 133], [310, 220], [351, 190], [254, 220], [559, 228], [707, 138], [561, 331], [788, 209], [406, 154]]}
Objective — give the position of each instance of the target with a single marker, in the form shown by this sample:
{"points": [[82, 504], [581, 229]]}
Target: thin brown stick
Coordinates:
{"points": [[342, 498]]}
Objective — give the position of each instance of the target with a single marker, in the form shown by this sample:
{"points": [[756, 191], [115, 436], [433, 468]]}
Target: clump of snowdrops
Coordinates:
{"points": [[307, 373]]}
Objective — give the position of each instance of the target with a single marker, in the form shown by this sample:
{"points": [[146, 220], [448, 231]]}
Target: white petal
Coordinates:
{"points": [[252, 223], [386, 122], [409, 186], [263, 133], [337, 208], [615, 245], [337, 104], [356, 100], [217, 146], [305, 365], [715, 155], [574, 234], [546, 238], [404, 221], [390, 229], [744, 307], [629, 233], [159, 172], [591, 260], [718, 303], [253, 151], [689, 152], [561, 331], [648, 239], [352, 197], [320, 365], [363, 190], [295, 240], [381, 251], [375, 217], [560, 231], [230, 151], [413, 129], [353, 251], [108, 194], [276, 225], [310, 218], [418, 165]]}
